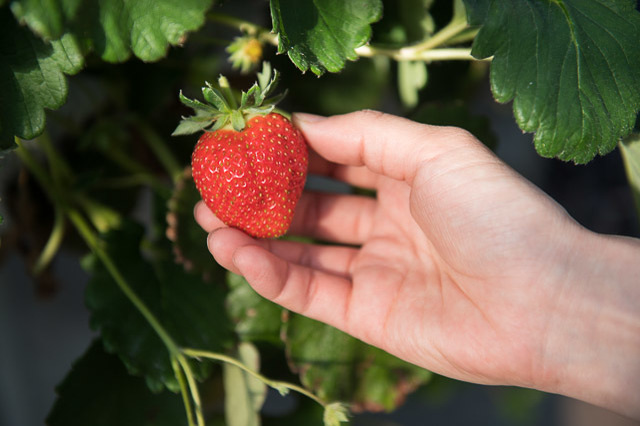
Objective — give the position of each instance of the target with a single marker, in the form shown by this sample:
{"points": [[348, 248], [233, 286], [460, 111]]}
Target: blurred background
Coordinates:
{"points": [[44, 325]]}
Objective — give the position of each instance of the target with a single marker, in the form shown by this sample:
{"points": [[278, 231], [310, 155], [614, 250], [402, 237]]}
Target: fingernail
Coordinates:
{"points": [[304, 118]]}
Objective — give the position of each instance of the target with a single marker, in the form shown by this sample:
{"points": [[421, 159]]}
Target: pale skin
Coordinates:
{"points": [[458, 265]]}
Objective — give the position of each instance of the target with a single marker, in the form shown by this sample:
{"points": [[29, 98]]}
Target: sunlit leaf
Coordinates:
{"points": [[571, 67], [244, 394], [32, 69], [32, 78], [322, 35]]}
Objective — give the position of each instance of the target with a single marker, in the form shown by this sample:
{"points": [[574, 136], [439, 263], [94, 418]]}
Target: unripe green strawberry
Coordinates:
{"points": [[252, 179], [250, 164]]}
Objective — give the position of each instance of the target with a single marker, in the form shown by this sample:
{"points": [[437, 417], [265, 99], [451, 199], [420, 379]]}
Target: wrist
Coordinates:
{"points": [[592, 346]]}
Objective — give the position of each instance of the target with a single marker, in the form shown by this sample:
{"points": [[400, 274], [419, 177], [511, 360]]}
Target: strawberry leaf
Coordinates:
{"points": [[256, 318], [190, 310], [337, 366], [571, 67], [32, 71], [115, 28], [322, 35], [244, 394], [98, 391], [32, 78]]}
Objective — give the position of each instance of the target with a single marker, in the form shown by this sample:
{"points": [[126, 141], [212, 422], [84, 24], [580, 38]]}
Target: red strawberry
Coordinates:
{"points": [[252, 179], [250, 167]]}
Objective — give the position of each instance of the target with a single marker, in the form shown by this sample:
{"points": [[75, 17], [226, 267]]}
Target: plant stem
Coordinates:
{"points": [[445, 54], [38, 171], [195, 394], [457, 31], [60, 170], [128, 164], [92, 240], [160, 149], [53, 243], [262, 33], [276, 384], [441, 37], [183, 389]]}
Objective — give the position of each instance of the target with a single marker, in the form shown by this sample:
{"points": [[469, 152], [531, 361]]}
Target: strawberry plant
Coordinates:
{"points": [[92, 92]]}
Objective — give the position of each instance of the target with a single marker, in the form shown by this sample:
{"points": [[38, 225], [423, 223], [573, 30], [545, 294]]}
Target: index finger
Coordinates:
{"points": [[388, 145]]}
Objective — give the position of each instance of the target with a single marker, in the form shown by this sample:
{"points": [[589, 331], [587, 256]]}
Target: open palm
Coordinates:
{"points": [[442, 268]]}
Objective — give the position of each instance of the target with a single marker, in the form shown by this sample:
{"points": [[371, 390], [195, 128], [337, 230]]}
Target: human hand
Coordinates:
{"points": [[456, 265]]}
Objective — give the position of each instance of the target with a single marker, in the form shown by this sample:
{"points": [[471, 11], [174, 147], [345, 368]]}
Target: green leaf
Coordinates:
{"points": [[257, 319], [98, 391], [322, 35], [115, 28], [32, 78], [338, 367], [571, 67], [32, 71], [190, 310], [630, 149], [244, 394]]}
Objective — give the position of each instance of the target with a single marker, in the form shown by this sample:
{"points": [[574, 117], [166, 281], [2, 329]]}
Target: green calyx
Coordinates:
{"points": [[221, 107]]}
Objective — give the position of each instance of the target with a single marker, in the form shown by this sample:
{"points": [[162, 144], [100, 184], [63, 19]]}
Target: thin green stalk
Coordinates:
{"points": [[263, 34], [280, 386], [183, 389], [160, 149], [53, 243], [37, 170], [445, 54], [193, 386], [60, 170], [92, 240], [102, 217], [441, 37], [133, 166], [464, 36]]}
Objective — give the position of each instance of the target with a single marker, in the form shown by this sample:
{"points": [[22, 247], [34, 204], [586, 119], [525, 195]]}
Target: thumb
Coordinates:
{"points": [[388, 145]]}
